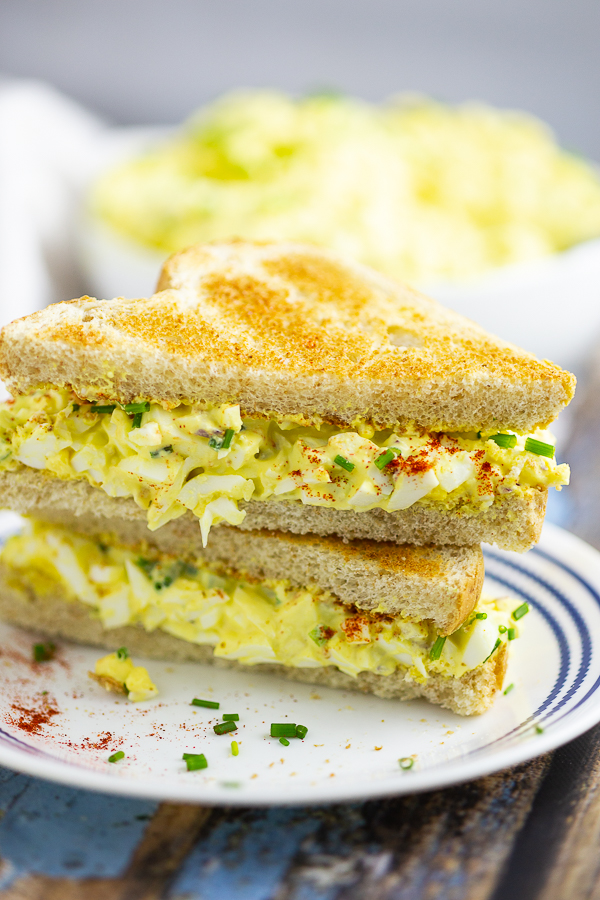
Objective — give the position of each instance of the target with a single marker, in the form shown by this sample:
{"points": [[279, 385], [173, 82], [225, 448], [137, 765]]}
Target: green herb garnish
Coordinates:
{"points": [[283, 729], [539, 729], [506, 441], [226, 444], [209, 704], [436, 650], [122, 653], [301, 731], [76, 407], [512, 634], [235, 750], [167, 449], [141, 407], [225, 727], [520, 611], [344, 463], [195, 761], [107, 408], [44, 652], [481, 615], [508, 689], [406, 763], [231, 717], [284, 741], [146, 565], [493, 650], [502, 629], [382, 461], [116, 756], [321, 634], [539, 448], [137, 420]]}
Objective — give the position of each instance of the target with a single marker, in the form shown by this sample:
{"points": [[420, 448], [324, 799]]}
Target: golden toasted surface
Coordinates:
{"points": [[286, 328]]}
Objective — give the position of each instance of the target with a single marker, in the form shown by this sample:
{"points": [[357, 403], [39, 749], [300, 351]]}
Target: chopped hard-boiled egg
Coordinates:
{"points": [[253, 622], [210, 459], [116, 672]]}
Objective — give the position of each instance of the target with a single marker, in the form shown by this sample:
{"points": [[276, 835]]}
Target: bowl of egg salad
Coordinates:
{"points": [[478, 207]]}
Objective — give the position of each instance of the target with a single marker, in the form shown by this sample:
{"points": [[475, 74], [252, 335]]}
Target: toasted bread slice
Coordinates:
{"points": [[55, 615], [286, 329], [512, 522]]}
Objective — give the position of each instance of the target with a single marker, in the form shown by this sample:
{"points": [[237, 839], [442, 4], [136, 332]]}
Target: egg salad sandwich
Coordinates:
{"points": [[396, 621], [277, 386]]}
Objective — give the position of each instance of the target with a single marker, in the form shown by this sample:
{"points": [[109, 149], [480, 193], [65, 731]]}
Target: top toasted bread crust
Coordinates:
{"points": [[282, 329]]}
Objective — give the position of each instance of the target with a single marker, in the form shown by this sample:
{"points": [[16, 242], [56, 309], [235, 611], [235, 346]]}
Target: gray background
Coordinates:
{"points": [[149, 61]]}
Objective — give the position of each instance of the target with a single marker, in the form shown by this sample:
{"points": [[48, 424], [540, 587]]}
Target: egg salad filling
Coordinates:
{"points": [[117, 672], [420, 190], [245, 619], [209, 459]]}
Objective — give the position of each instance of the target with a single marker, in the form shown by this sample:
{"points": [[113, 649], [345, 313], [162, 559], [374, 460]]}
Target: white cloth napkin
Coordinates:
{"points": [[50, 149]]}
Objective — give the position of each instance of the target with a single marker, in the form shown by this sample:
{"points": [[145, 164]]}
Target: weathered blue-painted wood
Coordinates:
{"points": [[246, 855], [63, 832]]}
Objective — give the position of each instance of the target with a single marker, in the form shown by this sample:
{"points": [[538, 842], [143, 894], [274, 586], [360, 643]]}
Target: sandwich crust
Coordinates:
{"points": [[54, 615], [284, 329], [512, 522]]}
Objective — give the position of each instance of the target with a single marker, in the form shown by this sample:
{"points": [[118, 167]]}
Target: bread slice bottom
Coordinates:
{"points": [[56, 615], [513, 522]]}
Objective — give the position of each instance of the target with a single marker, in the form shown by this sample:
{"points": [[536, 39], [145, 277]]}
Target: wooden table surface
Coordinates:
{"points": [[528, 833]]}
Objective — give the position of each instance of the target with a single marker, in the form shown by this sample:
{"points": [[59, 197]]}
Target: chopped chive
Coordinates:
{"points": [[215, 442], [406, 763], [512, 634], [344, 463], [382, 461], [506, 441], [137, 420], [225, 727], [301, 731], [76, 407], [146, 565], [539, 448], [283, 729], [141, 407], [284, 741], [502, 629], [43, 652], [122, 653], [321, 634], [209, 704], [539, 729], [520, 611], [235, 750], [231, 717], [436, 650], [116, 756], [226, 444], [107, 408], [493, 650], [167, 449], [508, 689], [481, 615], [195, 761]]}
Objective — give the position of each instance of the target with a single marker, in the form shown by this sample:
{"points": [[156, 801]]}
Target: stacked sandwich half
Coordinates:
{"points": [[281, 459]]}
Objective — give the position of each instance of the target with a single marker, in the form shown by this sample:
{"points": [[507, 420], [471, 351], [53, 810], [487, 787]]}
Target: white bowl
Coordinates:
{"points": [[550, 306]]}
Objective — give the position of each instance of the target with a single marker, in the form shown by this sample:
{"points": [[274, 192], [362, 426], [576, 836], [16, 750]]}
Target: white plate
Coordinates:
{"points": [[354, 741]]}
